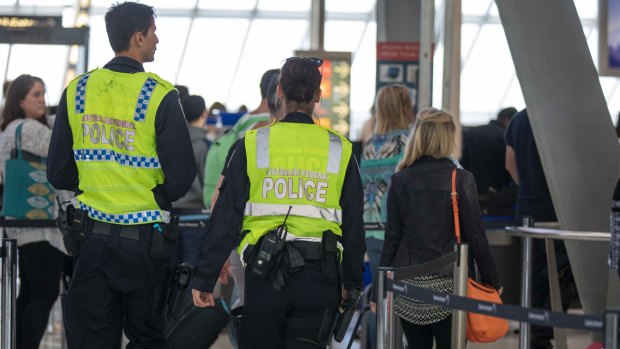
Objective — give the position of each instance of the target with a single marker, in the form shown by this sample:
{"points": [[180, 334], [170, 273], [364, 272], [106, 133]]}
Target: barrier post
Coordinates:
{"points": [[526, 281], [459, 317], [612, 329], [9, 285], [385, 310]]}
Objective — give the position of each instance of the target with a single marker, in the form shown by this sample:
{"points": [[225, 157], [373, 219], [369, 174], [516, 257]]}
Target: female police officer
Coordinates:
{"points": [[297, 182]]}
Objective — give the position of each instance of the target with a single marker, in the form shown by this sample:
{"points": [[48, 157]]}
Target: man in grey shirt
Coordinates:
{"points": [[192, 233]]}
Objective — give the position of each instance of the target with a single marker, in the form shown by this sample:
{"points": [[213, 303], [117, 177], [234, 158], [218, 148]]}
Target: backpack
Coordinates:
{"points": [[218, 152]]}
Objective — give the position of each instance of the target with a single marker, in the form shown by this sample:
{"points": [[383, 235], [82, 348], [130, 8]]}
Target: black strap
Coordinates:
{"points": [[425, 268]]}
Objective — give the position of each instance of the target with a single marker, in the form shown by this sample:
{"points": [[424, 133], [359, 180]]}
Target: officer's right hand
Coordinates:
{"points": [[202, 299]]}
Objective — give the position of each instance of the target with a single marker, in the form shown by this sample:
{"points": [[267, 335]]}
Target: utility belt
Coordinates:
{"points": [[275, 259], [75, 226]]}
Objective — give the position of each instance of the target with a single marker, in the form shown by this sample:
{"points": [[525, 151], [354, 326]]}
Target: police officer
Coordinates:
{"points": [[120, 141], [295, 181]]}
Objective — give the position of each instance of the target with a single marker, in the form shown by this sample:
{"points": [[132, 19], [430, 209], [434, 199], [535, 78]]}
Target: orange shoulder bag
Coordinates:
{"points": [[480, 328]]}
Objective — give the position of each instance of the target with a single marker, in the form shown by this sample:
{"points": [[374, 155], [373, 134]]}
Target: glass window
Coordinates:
{"points": [[587, 8], [7, 2], [172, 33], [343, 35], [99, 50], [357, 6], [211, 57], [266, 48], [167, 4], [227, 4], [26, 59], [485, 78], [363, 80], [284, 5], [39, 2], [475, 8]]}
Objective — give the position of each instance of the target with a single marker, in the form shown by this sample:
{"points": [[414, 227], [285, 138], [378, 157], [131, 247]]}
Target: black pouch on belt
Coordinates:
{"points": [[163, 239], [329, 251]]}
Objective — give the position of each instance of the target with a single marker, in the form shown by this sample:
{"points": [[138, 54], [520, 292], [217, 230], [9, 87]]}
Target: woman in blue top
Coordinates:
{"points": [[380, 155]]}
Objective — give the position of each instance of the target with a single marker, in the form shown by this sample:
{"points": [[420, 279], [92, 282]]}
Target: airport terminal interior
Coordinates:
{"points": [[474, 58]]}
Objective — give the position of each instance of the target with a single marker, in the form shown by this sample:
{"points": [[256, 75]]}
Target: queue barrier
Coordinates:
{"points": [[9, 270], [388, 285]]}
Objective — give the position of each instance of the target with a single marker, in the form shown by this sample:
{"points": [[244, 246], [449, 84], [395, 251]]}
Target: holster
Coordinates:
{"points": [[326, 330], [163, 239], [74, 225], [330, 254]]}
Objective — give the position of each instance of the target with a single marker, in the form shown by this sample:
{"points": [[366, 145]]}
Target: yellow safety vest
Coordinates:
{"points": [[297, 166], [112, 119]]}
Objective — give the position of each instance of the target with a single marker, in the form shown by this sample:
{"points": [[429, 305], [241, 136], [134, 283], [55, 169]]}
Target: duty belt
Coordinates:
{"points": [[131, 232], [311, 251]]}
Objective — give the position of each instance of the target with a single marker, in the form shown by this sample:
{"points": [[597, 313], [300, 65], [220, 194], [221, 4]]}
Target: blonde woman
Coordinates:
{"points": [[420, 227]]}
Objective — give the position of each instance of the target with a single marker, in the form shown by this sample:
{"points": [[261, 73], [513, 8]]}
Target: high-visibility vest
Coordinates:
{"points": [[112, 119], [298, 166]]}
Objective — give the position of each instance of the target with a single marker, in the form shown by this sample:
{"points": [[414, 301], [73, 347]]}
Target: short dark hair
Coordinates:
{"points": [[183, 91], [193, 107], [506, 114], [266, 80], [125, 19], [300, 79], [18, 90], [273, 103]]}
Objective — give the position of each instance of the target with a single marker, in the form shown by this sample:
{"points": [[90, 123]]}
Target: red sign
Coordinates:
{"points": [[398, 51]]}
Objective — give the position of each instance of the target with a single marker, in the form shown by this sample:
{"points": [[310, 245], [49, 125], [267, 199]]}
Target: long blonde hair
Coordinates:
{"points": [[393, 109], [433, 135]]}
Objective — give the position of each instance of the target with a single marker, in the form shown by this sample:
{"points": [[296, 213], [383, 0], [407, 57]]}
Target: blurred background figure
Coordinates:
{"points": [[380, 155], [195, 111], [41, 250], [484, 152]]}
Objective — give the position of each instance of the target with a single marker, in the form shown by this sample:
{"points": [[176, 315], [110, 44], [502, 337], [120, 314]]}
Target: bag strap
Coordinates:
{"points": [[455, 208], [18, 140]]}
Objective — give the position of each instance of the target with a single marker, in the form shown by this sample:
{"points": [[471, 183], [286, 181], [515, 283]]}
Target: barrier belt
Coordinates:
{"points": [[193, 220], [28, 223], [425, 268], [506, 311]]}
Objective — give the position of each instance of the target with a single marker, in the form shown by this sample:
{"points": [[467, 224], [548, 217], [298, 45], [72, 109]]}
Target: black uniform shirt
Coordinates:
{"points": [[227, 218], [174, 148]]}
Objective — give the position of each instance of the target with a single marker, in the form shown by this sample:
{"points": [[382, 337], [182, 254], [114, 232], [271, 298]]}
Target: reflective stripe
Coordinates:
{"points": [[126, 218], [143, 99], [262, 147], [335, 153], [80, 93], [309, 211], [111, 155]]}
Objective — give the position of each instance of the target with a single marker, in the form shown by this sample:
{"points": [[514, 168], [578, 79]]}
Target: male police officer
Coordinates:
{"points": [[294, 191], [120, 141]]}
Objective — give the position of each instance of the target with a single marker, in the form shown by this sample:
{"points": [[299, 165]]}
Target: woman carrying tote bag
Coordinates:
{"points": [[40, 249], [420, 225]]}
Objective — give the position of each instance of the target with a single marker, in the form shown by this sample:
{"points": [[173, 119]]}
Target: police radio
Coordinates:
{"points": [[271, 244]]}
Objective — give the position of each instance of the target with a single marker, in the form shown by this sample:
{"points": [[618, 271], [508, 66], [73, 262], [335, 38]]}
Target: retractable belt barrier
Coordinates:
{"points": [[505, 311], [388, 282]]}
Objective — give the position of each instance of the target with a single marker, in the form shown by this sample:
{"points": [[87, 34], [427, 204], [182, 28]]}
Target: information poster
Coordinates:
{"points": [[398, 63], [334, 110]]}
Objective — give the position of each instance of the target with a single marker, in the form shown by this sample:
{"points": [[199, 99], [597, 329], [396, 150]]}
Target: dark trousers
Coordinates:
{"points": [[187, 249], [542, 335], [40, 266], [289, 318], [421, 336], [111, 291]]}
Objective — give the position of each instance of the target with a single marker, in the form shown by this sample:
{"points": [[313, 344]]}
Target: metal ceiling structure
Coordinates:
{"points": [[245, 37]]}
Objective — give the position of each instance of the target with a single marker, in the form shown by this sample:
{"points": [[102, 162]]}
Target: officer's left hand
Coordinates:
{"points": [[203, 299]]}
